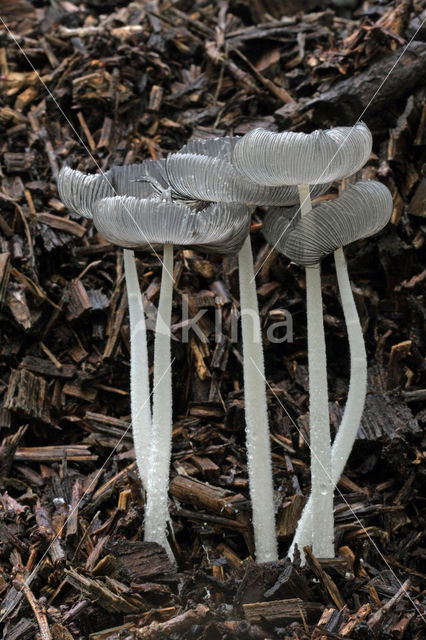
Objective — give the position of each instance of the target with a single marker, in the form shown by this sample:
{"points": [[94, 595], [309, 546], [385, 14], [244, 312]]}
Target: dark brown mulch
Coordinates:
{"points": [[99, 83]]}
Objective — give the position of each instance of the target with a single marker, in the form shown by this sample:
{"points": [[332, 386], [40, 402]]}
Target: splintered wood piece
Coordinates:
{"points": [[201, 494], [54, 453], [378, 615], [327, 622], [46, 530], [63, 224], [24, 630], [178, 624], [27, 396], [114, 330], [282, 611], [7, 451], [362, 613], [72, 520], [38, 609], [78, 301], [289, 515], [106, 490], [290, 583], [48, 368], [206, 466], [139, 561], [327, 583], [102, 595], [398, 352], [4, 274], [105, 137]]}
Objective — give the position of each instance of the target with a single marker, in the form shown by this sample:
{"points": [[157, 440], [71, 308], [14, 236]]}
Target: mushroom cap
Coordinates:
{"points": [[302, 158], [80, 191], [361, 211], [148, 224], [202, 169]]}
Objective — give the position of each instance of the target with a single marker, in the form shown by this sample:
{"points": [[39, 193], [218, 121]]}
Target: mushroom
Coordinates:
{"points": [[301, 159], [202, 169], [143, 224], [361, 211], [79, 192]]}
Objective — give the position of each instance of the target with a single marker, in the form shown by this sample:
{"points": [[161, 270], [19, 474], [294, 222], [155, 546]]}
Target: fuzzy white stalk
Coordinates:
{"points": [[256, 413], [320, 445], [139, 369], [349, 426], [156, 513]]}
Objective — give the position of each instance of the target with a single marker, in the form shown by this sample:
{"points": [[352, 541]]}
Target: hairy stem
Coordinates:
{"points": [[139, 369], [257, 430], [320, 445], [156, 514], [349, 426]]}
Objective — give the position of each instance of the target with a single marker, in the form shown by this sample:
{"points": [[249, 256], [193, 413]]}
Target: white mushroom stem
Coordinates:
{"points": [[345, 438], [157, 513], [348, 429], [322, 487], [257, 430], [139, 369]]}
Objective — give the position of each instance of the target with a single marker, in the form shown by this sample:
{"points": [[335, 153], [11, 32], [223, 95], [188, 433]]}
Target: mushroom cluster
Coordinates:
{"points": [[202, 197]]}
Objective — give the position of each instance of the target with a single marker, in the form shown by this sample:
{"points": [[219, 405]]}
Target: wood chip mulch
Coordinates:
{"points": [[97, 83]]}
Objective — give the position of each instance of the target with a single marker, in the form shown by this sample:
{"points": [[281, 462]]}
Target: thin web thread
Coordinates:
{"points": [[84, 145], [370, 539], [342, 144]]}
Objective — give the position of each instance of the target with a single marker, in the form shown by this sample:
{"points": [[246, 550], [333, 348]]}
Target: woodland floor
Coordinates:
{"points": [[93, 84]]}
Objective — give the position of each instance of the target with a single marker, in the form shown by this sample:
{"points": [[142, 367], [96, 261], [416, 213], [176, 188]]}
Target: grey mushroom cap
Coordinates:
{"points": [[80, 191], [361, 211], [151, 223], [202, 169], [293, 158]]}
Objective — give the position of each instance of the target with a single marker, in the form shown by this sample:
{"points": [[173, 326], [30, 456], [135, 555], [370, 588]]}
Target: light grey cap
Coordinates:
{"points": [[80, 191], [361, 211], [202, 169], [149, 224], [293, 158]]}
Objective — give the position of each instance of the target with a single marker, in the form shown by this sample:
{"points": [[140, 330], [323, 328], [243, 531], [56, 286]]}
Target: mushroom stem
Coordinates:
{"points": [[348, 429], [257, 430], [345, 438], [320, 445], [156, 514], [139, 369]]}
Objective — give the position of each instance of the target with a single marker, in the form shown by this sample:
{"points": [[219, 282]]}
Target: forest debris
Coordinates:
{"points": [[4, 274], [139, 561], [282, 611], [7, 451], [38, 608], [385, 609], [99, 592], [46, 530], [348, 98], [327, 583], [178, 624], [63, 224], [417, 204], [54, 453], [362, 613], [200, 494], [78, 301], [27, 396]]}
